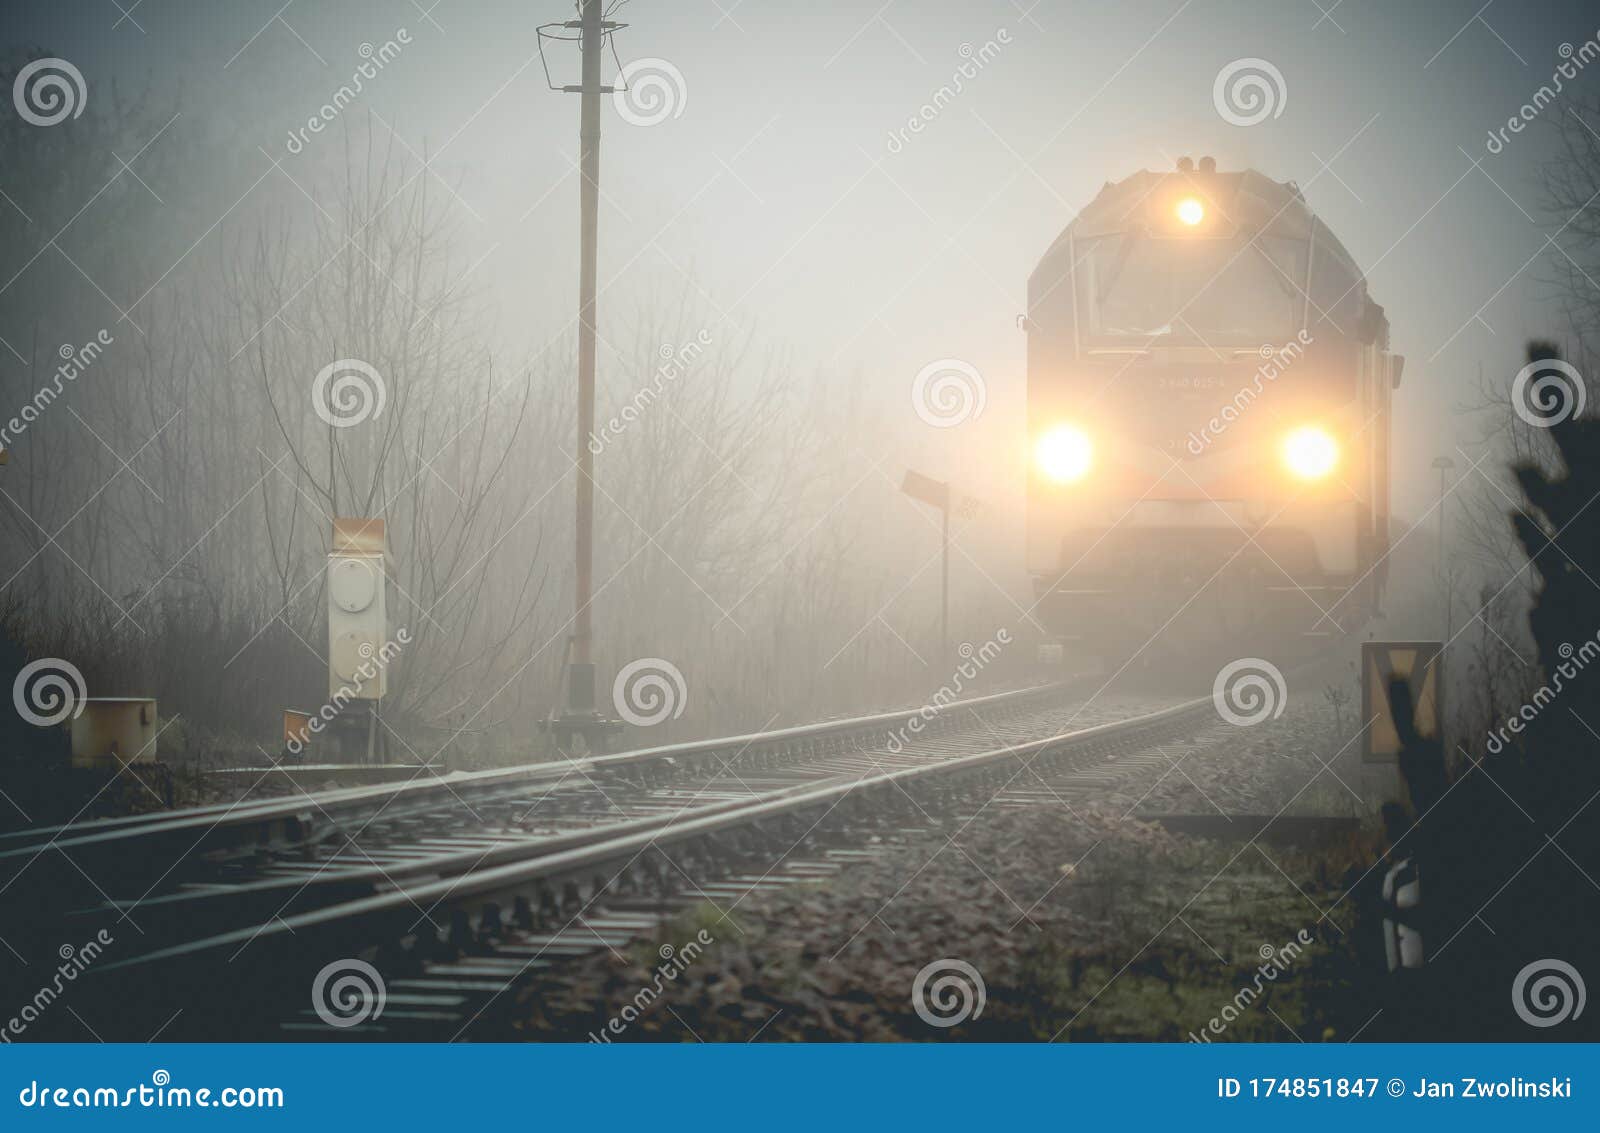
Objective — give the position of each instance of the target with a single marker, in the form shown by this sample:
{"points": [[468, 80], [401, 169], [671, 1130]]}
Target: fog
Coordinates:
{"points": [[782, 220]]}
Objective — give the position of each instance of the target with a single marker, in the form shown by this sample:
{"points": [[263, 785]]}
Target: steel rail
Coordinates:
{"points": [[221, 830], [576, 854]]}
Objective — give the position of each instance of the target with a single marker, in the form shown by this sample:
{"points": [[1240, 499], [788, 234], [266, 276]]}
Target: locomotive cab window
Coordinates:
{"points": [[1194, 291]]}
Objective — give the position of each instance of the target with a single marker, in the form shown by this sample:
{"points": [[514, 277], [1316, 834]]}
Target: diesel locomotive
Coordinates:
{"points": [[1209, 397]]}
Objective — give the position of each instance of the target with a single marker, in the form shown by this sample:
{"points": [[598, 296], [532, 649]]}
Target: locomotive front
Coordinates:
{"points": [[1208, 404]]}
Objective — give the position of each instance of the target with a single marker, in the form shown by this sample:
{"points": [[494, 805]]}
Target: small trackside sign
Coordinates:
{"points": [[1418, 663]]}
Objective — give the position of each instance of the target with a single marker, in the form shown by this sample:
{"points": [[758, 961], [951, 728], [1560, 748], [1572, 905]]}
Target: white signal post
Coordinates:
{"points": [[358, 619], [939, 494]]}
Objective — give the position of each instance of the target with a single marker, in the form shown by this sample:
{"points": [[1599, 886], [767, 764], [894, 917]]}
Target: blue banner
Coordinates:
{"points": [[799, 1087]]}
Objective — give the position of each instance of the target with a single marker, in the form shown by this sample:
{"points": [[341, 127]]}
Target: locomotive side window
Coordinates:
{"points": [[1337, 292]]}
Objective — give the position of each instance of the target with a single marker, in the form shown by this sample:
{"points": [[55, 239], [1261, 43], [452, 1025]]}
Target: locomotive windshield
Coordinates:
{"points": [[1138, 286]]}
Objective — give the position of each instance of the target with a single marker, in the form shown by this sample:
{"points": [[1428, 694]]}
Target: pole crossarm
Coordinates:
{"points": [[552, 32]]}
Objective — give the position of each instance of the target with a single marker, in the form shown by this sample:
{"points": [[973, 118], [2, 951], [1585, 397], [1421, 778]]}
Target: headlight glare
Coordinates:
{"points": [[1310, 453], [1063, 454]]}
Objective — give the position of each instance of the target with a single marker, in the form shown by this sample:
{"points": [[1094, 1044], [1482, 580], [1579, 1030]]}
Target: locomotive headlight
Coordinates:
{"points": [[1063, 454], [1191, 211], [1310, 452]]}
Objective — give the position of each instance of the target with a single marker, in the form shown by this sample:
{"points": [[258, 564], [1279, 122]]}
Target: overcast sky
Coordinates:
{"points": [[774, 194]]}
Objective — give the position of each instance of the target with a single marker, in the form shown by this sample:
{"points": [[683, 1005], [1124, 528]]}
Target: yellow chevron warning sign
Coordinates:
{"points": [[1418, 663]]}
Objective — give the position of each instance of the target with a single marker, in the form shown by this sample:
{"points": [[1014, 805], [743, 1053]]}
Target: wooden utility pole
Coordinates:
{"points": [[580, 715], [591, 37]]}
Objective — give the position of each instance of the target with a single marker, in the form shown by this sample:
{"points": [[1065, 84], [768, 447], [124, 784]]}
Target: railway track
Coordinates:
{"points": [[315, 839], [454, 893], [135, 856]]}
